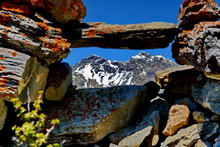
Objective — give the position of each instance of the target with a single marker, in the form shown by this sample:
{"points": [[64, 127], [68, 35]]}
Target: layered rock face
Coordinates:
{"points": [[184, 113]]}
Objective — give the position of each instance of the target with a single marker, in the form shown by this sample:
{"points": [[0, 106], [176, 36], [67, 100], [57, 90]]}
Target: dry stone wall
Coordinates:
{"points": [[187, 112]]}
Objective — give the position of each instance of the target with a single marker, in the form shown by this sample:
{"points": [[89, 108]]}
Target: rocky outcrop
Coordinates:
{"points": [[94, 113]]}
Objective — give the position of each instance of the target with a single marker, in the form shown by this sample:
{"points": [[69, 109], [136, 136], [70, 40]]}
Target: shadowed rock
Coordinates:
{"points": [[3, 113]]}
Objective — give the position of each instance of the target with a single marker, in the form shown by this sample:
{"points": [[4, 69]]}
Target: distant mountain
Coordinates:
{"points": [[96, 72]]}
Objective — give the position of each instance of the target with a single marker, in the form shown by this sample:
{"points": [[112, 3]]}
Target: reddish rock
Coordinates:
{"points": [[192, 11], [62, 11], [178, 117]]}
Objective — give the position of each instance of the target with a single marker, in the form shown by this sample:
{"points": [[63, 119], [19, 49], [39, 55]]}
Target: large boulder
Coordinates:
{"points": [[207, 94], [88, 115]]}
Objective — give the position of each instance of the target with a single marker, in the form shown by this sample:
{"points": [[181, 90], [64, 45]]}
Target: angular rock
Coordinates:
{"points": [[94, 113], [188, 136], [177, 80], [3, 113], [207, 94], [136, 139], [133, 36], [199, 46], [63, 11], [58, 81], [192, 11], [178, 117], [25, 35], [201, 143], [21, 75]]}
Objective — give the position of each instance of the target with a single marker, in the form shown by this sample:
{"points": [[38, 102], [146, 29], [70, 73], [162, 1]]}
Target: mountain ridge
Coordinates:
{"points": [[96, 72]]}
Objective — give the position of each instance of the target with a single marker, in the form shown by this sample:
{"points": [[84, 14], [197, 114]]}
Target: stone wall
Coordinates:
{"points": [[186, 113]]}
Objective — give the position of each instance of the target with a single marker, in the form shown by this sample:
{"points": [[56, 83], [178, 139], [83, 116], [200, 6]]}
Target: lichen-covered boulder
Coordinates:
{"points": [[88, 115], [207, 94]]}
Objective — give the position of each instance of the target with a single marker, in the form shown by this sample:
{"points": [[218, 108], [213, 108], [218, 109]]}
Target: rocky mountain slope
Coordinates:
{"points": [[96, 71]]}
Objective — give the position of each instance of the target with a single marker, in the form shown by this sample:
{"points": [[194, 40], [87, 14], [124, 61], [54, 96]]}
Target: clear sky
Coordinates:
{"points": [[126, 12]]}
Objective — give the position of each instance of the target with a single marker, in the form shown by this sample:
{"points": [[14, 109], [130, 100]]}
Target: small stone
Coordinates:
{"points": [[200, 117], [215, 118], [201, 143], [178, 117]]}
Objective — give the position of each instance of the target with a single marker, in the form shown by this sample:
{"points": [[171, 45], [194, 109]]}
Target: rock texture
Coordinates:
{"points": [[207, 94], [94, 113], [97, 72], [188, 136], [134, 36], [178, 117]]}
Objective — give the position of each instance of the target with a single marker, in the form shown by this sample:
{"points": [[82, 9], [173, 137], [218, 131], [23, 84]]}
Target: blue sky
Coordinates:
{"points": [[126, 12]]}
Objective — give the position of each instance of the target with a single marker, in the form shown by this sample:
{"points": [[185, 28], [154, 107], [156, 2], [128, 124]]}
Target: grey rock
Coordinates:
{"points": [[94, 113], [207, 94]]}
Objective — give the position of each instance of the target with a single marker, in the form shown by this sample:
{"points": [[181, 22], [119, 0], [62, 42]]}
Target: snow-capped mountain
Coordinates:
{"points": [[96, 72]]}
